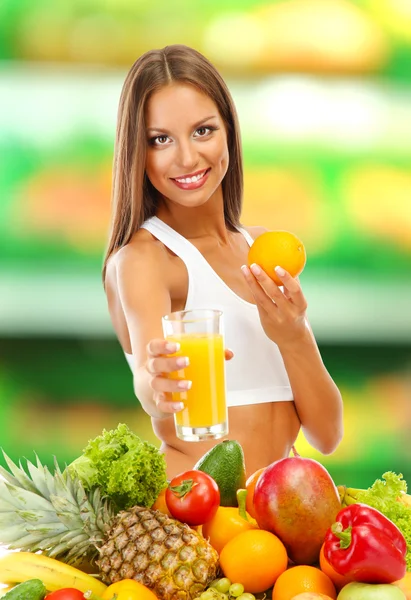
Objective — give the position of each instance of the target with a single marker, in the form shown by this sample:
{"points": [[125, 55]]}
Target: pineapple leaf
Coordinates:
{"points": [[51, 512], [6, 475], [27, 515], [26, 498], [19, 475], [38, 476]]}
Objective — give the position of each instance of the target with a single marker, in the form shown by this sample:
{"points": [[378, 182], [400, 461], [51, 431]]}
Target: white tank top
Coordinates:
{"points": [[256, 373]]}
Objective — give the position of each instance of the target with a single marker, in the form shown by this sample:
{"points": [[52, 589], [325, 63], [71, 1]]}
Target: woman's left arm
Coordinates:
{"points": [[283, 316]]}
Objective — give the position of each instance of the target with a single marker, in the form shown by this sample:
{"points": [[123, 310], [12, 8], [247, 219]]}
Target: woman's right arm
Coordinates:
{"points": [[143, 290]]}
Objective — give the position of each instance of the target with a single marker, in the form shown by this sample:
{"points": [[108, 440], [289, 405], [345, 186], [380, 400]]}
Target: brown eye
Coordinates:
{"points": [[161, 139], [202, 131], [158, 140]]}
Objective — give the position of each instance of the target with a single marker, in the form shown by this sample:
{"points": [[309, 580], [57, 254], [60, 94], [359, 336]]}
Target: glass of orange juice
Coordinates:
{"points": [[200, 335]]}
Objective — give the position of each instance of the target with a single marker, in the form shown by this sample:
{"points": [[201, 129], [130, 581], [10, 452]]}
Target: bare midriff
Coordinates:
{"points": [[266, 433]]}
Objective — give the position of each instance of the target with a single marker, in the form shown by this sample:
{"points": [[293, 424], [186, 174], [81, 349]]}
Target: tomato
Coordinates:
{"points": [[65, 594], [193, 497]]}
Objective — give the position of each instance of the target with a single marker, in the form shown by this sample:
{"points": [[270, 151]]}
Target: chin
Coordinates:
{"points": [[189, 200]]}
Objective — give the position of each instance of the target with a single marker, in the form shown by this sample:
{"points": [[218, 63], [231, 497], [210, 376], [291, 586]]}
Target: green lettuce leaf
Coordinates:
{"points": [[130, 471]]}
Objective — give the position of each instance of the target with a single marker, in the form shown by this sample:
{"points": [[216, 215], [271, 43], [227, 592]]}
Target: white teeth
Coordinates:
{"points": [[191, 179]]}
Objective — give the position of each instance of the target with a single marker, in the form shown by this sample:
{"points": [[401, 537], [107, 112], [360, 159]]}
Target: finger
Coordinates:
{"points": [[292, 288], [228, 354], [269, 286], [160, 346], [165, 403], [162, 364], [164, 384], [261, 297]]}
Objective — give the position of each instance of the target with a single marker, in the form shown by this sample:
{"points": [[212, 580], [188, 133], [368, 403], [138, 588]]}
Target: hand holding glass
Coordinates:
{"points": [[199, 333]]}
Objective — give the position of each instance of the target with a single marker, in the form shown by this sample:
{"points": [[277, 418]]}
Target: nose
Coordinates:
{"points": [[187, 155]]}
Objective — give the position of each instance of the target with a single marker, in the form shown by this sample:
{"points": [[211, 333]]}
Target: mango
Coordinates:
{"points": [[296, 499]]}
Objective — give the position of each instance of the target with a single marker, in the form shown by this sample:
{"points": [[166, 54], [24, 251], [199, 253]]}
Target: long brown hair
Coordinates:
{"points": [[134, 199]]}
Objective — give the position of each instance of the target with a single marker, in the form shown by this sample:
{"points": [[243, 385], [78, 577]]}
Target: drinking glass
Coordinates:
{"points": [[200, 335]]}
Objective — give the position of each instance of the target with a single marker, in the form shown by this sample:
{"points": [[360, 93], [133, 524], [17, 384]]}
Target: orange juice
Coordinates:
{"points": [[205, 403]]}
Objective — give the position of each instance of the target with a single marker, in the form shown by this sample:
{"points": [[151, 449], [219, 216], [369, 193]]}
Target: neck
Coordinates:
{"points": [[196, 222]]}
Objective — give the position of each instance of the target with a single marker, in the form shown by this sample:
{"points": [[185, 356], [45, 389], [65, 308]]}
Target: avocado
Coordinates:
{"points": [[225, 464], [32, 589]]}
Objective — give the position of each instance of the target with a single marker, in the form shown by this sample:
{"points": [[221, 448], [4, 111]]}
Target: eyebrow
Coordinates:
{"points": [[151, 129]]}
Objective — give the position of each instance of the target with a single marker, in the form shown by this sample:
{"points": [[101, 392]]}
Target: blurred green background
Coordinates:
{"points": [[323, 91]]}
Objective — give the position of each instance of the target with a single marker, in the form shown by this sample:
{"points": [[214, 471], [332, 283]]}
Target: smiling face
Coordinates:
{"points": [[187, 153]]}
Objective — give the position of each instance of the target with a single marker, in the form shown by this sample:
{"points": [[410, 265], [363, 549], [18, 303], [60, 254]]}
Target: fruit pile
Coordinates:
{"points": [[287, 532]]}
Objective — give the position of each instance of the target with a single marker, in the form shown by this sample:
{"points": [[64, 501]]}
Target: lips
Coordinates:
{"points": [[192, 181]]}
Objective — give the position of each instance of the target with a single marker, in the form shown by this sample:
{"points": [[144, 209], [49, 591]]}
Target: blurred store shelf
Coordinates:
{"points": [[342, 309]]}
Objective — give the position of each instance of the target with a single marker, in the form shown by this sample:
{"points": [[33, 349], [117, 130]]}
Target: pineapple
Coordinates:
{"points": [[52, 513]]}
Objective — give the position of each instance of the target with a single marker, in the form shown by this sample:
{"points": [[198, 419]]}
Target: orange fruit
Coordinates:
{"points": [[131, 588], [250, 487], [226, 524], [278, 248], [338, 580], [311, 596], [160, 503], [254, 558], [405, 585], [302, 578]]}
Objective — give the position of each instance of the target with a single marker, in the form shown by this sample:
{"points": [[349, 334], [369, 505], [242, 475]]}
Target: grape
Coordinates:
{"points": [[236, 589], [213, 583], [207, 595], [223, 585], [246, 596]]}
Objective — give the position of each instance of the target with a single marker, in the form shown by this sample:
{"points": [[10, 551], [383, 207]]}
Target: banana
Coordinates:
{"points": [[341, 491], [405, 499], [351, 496], [348, 496], [16, 567]]}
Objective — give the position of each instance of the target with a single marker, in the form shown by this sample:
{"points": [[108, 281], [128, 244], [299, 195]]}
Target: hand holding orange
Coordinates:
{"points": [[278, 248]]}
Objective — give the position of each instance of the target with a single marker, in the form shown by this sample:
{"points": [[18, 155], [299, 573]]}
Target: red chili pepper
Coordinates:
{"points": [[365, 546]]}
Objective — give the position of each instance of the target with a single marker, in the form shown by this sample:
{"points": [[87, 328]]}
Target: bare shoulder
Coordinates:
{"points": [[143, 254], [255, 231], [135, 273], [138, 292]]}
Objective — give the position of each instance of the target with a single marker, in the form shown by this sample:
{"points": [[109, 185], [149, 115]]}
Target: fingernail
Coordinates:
{"points": [[177, 406], [184, 385], [255, 269], [244, 269], [280, 271], [182, 361], [172, 346]]}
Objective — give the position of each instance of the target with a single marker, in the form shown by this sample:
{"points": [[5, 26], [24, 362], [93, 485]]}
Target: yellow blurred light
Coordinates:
{"points": [[290, 199], [321, 35], [43, 35], [394, 15], [234, 39], [377, 199], [96, 38], [121, 4]]}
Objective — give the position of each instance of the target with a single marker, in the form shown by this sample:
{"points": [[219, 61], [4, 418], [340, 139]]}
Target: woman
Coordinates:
{"points": [[176, 242]]}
